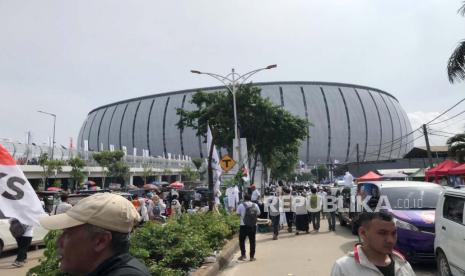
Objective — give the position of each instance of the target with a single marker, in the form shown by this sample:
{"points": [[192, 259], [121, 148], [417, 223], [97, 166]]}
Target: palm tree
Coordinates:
{"points": [[456, 64], [456, 146]]}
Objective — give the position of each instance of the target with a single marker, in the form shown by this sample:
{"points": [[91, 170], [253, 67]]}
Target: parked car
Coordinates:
{"points": [[449, 242], [411, 203], [347, 195], [8, 242]]}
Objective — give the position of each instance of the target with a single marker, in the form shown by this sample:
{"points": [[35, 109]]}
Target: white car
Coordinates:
{"points": [[8, 242], [449, 242]]}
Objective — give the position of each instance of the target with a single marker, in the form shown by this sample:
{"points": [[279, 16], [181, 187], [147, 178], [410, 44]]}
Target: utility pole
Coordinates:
{"points": [[428, 148], [358, 160]]}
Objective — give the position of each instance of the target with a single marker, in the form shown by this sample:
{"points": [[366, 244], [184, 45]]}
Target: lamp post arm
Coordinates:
{"points": [[53, 138], [224, 80], [243, 78]]}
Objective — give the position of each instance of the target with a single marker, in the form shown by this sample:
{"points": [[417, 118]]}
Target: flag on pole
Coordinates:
{"points": [[215, 159], [17, 197]]}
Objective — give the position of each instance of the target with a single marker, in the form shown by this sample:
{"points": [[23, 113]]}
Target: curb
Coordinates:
{"points": [[221, 261]]}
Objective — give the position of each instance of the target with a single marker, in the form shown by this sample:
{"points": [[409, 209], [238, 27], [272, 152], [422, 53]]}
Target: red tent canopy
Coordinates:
{"points": [[369, 176], [442, 168], [177, 185], [457, 170]]}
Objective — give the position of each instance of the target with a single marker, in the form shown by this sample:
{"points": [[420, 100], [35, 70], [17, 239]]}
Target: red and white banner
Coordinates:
{"points": [[17, 197]]}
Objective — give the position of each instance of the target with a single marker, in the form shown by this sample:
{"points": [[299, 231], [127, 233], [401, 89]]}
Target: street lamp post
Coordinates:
{"points": [[54, 122], [232, 81]]}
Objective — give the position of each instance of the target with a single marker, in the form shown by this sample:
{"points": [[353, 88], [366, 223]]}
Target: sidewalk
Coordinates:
{"points": [[305, 254], [32, 260]]}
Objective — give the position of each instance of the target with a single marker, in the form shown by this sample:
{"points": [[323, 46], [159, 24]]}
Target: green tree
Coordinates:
{"points": [[77, 164], [320, 172], [168, 173], [119, 170], [49, 167], [305, 177], [197, 162], [189, 174], [283, 161], [271, 131], [112, 164], [146, 171], [456, 64], [456, 146]]}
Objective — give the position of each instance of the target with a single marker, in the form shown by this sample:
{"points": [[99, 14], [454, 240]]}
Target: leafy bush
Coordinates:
{"points": [[49, 264], [172, 249]]}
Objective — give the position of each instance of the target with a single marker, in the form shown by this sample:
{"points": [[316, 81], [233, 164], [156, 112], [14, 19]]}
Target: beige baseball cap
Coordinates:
{"points": [[108, 211]]}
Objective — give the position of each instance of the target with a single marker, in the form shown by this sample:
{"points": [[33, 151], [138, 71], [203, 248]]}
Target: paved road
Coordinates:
{"points": [[306, 254], [8, 258]]}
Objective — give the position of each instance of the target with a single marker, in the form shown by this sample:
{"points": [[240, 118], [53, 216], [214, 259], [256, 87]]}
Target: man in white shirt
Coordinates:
{"points": [[255, 194], [376, 255], [249, 212], [63, 206], [348, 179], [233, 197]]}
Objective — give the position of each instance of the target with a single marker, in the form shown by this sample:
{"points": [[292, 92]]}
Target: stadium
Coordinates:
{"points": [[349, 123]]}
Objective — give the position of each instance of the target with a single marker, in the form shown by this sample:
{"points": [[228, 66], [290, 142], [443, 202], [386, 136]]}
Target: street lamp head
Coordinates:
{"points": [[196, 72], [271, 66], [51, 114]]}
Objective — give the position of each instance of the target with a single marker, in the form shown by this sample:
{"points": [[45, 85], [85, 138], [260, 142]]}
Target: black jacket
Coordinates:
{"points": [[119, 265]]}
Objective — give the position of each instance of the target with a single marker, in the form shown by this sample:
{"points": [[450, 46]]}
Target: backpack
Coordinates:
{"points": [[314, 201], [250, 218], [17, 229], [156, 210]]}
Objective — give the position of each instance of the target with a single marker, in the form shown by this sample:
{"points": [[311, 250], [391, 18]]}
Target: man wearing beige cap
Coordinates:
{"points": [[95, 239]]}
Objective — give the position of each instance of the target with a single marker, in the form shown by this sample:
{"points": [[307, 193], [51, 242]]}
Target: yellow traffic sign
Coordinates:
{"points": [[227, 163]]}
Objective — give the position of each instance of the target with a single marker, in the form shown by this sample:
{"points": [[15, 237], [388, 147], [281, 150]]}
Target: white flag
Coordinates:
{"points": [[17, 197], [215, 159]]}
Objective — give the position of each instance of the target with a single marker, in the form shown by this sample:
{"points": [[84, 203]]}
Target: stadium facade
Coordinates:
{"points": [[344, 117]]}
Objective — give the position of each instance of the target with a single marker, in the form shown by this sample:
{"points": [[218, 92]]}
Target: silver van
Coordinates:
{"points": [[449, 243]]}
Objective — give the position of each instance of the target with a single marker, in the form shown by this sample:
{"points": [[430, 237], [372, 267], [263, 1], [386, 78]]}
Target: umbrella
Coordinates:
{"points": [[177, 185], [132, 187], [54, 189], [149, 187], [90, 183]]}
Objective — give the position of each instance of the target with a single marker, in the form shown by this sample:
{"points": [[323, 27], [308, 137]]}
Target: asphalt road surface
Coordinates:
{"points": [[305, 254]]}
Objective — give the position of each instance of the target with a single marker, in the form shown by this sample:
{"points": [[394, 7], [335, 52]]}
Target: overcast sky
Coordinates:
{"points": [[69, 57]]}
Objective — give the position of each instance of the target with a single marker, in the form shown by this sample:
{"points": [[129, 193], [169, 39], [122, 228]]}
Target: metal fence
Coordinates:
{"points": [[28, 154]]}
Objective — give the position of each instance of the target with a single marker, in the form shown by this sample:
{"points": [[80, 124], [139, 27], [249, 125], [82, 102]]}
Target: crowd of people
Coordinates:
{"points": [[100, 224], [374, 255], [297, 207]]}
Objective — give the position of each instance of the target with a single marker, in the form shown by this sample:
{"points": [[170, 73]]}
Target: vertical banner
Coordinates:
{"points": [[215, 159], [17, 197]]}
